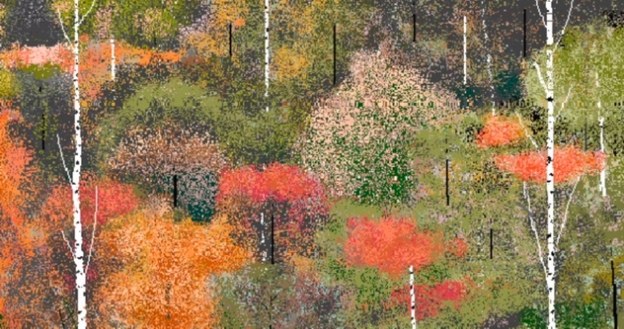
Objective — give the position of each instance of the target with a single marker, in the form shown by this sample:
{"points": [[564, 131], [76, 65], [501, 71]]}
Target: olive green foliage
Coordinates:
{"points": [[587, 55], [8, 85], [154, 105]]}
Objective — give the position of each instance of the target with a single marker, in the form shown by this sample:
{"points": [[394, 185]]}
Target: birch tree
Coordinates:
{"points": [[548, 86], [267, 54], [77, 251]]}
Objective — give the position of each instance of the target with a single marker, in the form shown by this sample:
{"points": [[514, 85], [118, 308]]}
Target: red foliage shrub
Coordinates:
{"points": [[391, 245], [114, 199], [498, 131], [569, 163], [280, 183], [430, 299]]}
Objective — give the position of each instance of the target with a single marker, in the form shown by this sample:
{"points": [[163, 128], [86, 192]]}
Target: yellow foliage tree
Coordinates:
{"points": [[158, 271]]}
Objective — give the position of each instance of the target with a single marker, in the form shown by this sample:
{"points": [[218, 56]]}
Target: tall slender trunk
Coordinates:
{"points": [[263, 248], [603, 172], [550, 168], [113, 59], [488, 58], [412, 296], [465, 46], [81, 279], [267, 55]]}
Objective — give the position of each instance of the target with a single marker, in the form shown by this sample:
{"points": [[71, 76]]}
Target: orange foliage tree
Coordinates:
{"points": [[571, 163], [295, 199], [158, 271], [499, 131], [114, 199]]}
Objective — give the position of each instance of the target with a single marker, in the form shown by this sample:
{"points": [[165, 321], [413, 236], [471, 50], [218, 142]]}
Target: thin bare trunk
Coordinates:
{"points": [[267, 54], [113, 59], [465, 46]]}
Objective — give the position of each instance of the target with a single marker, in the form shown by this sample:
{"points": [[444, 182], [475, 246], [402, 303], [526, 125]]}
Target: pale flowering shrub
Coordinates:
{"points": [[357, 140]]}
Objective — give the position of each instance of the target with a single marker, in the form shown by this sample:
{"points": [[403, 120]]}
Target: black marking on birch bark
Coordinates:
{"points": [[43, 130], [230, 36], [524, 43], [175, 191], [614, 285], [448, 196], [334, 53], [414, 27], [550, 99]]}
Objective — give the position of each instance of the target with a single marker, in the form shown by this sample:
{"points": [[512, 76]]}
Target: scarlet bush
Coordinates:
{"points": [[114, 199], [499, 131], [391, 245], [431, 299], [570, 162]]}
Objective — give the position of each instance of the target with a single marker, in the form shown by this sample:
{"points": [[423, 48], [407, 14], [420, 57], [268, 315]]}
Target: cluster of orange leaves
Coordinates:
{"points": [[569, 163], [163, 279], [14, 160], [499, 131], [392, 245]]}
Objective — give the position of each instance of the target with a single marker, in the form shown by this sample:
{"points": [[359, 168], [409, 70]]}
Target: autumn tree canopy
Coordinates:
{"points": [[159, 270]]}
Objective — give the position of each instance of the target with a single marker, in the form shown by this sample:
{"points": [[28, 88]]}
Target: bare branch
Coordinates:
{"points": [[87, 14], [526, 131], [565, 214], [539, 76], [539, 10], [565, 25], [537, 240], [564, 102], [58, 142], [58, 12], [93, 231], [68, 245]]}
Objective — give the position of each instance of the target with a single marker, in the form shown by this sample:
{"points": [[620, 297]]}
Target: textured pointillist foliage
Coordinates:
{"points": [[283, 164]]}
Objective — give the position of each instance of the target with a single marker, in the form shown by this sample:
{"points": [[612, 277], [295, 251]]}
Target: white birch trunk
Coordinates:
{"points": [[263, 252], [488, 60], [267, 55], [550, 168], [412, 297], [81, 279], [465, 45], [113, 59], [603, 172]]}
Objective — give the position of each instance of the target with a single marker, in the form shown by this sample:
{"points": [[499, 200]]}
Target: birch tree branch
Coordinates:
{"points": [[539, 10], [58, 142], [68, 245], [539, 76], [565, 25], [91, 8], [533, 228], [565, 214], [93, 231], [564, 102], [526, 131], [58, 12]]}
